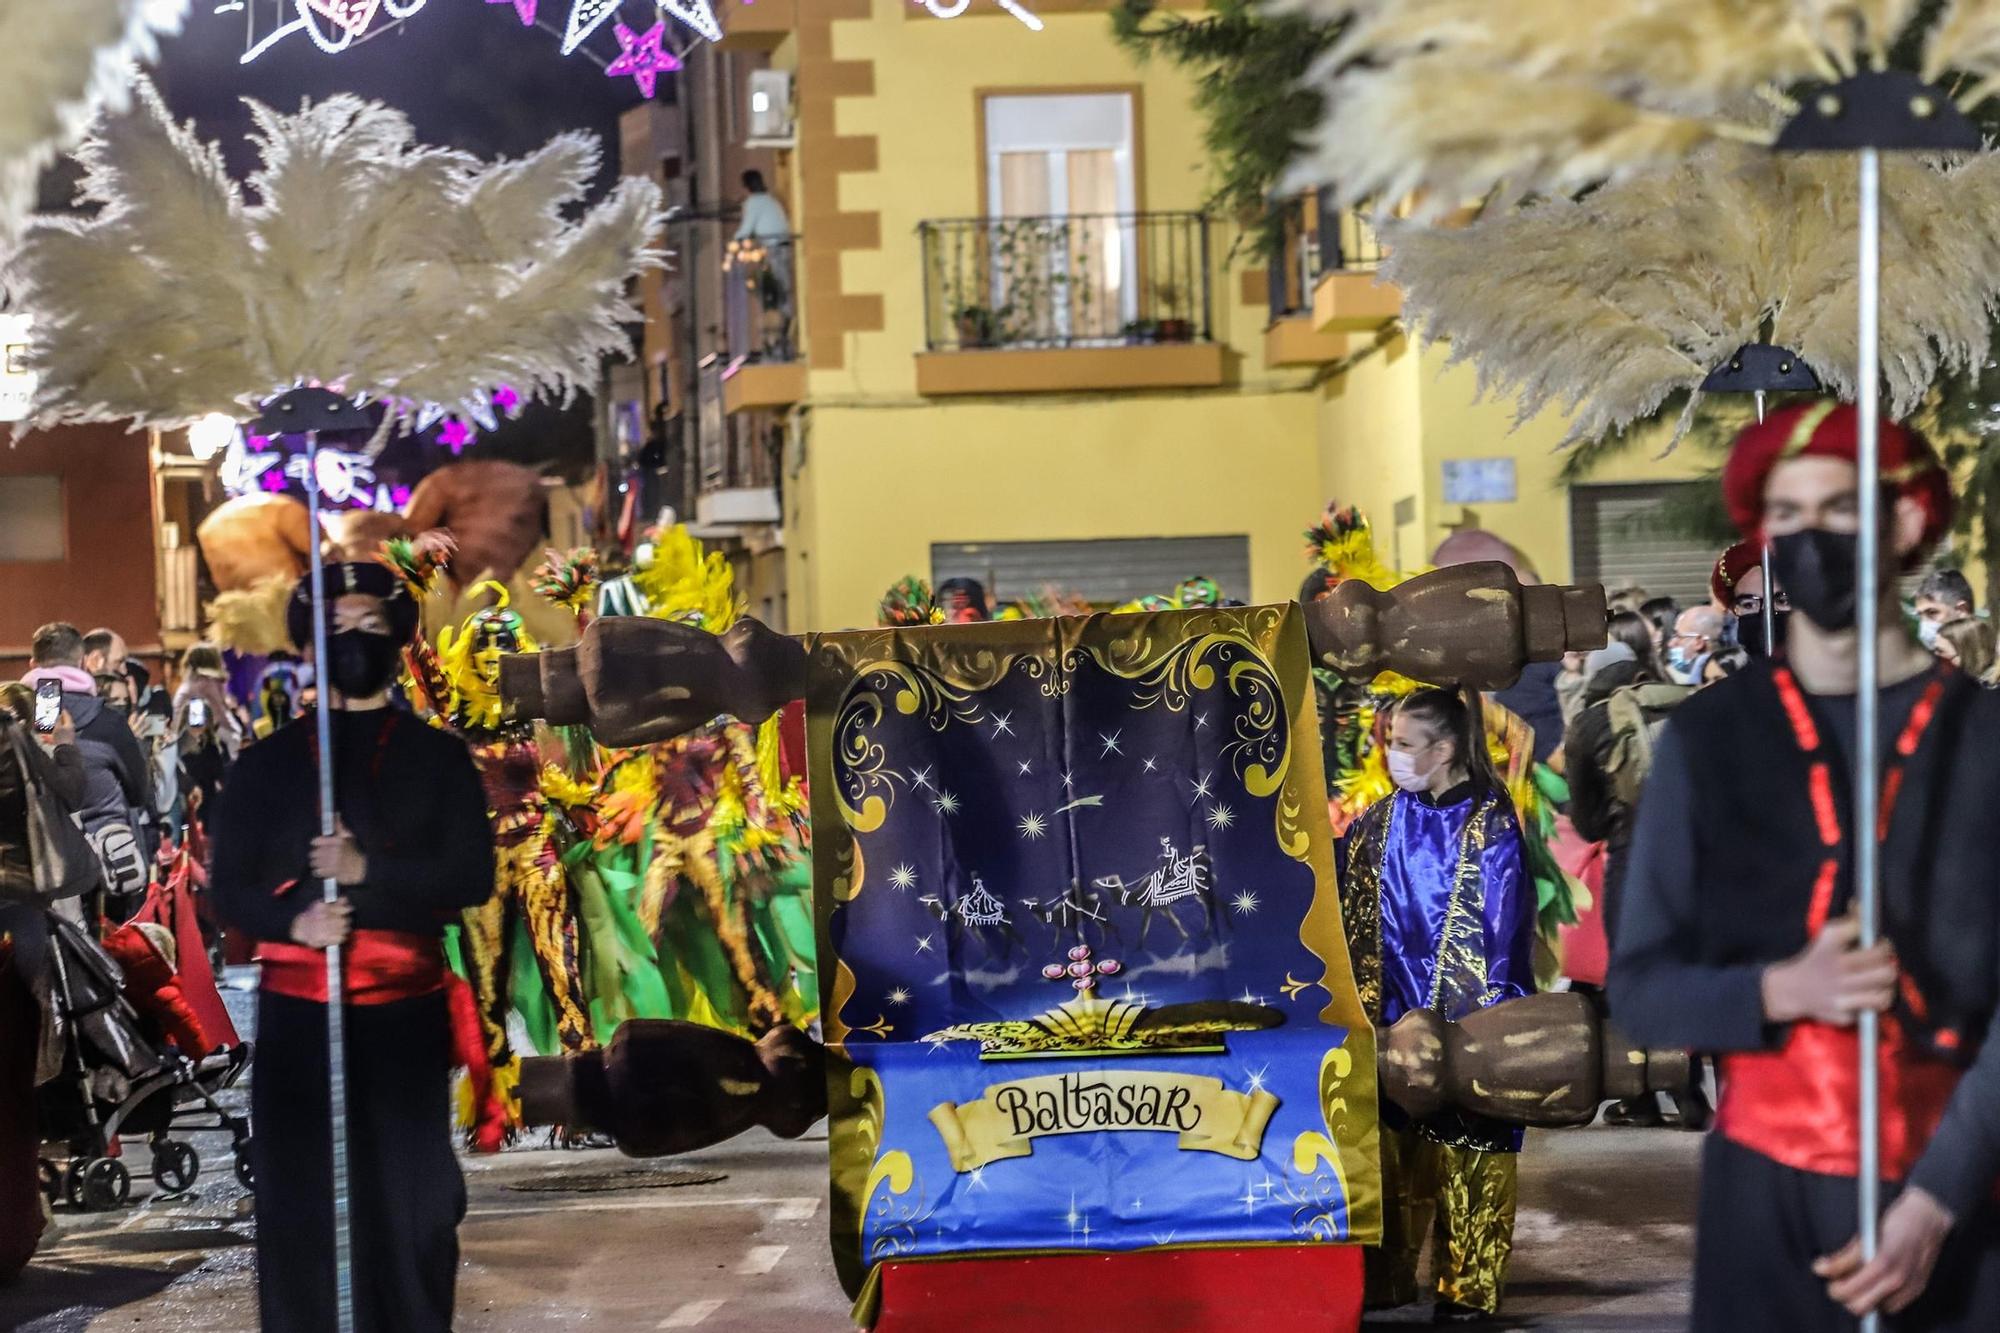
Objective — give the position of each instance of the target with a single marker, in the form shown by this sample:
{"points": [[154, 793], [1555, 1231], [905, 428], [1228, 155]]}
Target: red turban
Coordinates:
{"points": [[1831, 430], [1737, 561]]}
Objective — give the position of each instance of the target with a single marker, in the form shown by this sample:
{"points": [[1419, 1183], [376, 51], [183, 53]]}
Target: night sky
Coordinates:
{"points": [[467, 72]]}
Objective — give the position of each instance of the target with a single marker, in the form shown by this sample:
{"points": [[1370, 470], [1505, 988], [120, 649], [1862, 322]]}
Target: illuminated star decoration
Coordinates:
{"points": [[586, 17], [507, 397], [525, 8], [643, 57], [455, 435], [697, 15]]}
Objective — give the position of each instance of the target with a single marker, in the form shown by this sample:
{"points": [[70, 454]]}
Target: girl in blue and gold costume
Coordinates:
{"points": [[1440, 914]]}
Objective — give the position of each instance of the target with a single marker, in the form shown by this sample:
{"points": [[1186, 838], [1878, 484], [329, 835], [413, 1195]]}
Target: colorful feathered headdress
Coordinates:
{"points": [[909, 601], [1343, 544]]}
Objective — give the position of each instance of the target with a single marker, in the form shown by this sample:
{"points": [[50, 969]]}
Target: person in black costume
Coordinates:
{"points": [[1738, 935], [413, 848]]}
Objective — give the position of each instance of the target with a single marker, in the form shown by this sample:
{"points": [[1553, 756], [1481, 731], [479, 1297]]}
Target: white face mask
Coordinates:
{"points": [[1927, 633], [1404, 773]]}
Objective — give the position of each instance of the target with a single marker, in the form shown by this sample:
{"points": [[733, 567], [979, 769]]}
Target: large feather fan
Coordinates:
{"points": [[357, 258], [1459, 98], [58, 64], [1606, 306]]}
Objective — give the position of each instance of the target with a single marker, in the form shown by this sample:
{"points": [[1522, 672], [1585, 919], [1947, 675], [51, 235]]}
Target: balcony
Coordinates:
{"points": [[737, 475], [760, 323], [1073, 303], [1345, 296]]}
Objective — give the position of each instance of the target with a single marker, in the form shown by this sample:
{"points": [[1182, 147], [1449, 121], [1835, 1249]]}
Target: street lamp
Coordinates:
{"points": [[210, 435]]}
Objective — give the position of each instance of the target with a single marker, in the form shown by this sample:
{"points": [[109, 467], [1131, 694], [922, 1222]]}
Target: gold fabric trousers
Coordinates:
{"points": [[1462, 1195]]}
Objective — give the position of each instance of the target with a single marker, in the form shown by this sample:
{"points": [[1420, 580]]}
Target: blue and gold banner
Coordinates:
{"points": [[1086, 985]]}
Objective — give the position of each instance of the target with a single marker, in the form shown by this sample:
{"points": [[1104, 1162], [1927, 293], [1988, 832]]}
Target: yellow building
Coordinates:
{"points": [[1013, 348]]}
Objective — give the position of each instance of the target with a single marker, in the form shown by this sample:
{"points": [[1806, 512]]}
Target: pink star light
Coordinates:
{"points": [[455, 435], [643, 57]]}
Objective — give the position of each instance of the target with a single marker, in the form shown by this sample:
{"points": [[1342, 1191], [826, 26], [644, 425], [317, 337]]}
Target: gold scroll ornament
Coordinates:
{"points": [[1005, 1122]]}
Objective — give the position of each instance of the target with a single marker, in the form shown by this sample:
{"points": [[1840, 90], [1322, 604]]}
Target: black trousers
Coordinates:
{"points": [[1762, 1225], [407, 1194]]}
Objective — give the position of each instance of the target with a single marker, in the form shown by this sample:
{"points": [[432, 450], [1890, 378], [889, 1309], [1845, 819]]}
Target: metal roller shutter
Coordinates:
{"points": [[1618, 539], [1108, 571]]}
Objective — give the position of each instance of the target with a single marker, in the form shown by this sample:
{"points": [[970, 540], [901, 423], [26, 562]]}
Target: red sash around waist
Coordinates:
{"points": [[377, 967], [1800, 1105]]}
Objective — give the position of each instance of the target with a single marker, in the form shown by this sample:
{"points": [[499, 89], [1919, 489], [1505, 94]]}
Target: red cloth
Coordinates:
{"points": [[1586, 954], [1800, 1105], [171, 903], [377, 967], [1829, 430]]}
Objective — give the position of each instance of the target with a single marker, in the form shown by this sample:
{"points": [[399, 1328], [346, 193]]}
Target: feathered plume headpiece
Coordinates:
{"points": [[58, 65], [569, 580], [679, 580], [415, 275], [1606, 306], [1343, 544], [909, 601], [419, 561], [1459, 98]]}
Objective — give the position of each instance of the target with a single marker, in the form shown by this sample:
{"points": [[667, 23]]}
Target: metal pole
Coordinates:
{"points": [[336, 1022], [1867, 742]]}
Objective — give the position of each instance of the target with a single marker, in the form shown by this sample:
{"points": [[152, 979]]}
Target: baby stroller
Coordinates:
{"points": [[122, 1077]]}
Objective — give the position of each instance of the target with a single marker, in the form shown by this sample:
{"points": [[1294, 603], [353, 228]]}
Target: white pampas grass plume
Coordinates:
{"points": [[1605, 307], [60, 60], [1460, 99], [357, 257]]}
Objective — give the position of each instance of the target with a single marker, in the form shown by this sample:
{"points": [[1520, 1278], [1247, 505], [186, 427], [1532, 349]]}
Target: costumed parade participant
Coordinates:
{"points": [[414, 848], [1353, 720], [1738, 934], [1737, 585], [453, 684], [1440, 915], [688, 860]]}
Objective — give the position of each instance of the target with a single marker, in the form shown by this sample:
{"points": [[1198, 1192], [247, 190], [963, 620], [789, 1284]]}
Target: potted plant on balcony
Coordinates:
{"points": [[1175, 326], [978, 326], [1141, 331]]}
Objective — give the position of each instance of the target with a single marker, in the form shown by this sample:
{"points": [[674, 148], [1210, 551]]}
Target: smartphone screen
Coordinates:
{"points": [[197, 712], [48, 706]]}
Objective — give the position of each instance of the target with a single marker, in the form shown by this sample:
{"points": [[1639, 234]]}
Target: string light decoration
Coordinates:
{"points": [[696, 14], [643, 57], [951, 9], [334, 25], [585, 17]]}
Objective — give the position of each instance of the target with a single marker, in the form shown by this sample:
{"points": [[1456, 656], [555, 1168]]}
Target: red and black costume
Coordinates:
{"points": [[1735, 866], [413, 802]]}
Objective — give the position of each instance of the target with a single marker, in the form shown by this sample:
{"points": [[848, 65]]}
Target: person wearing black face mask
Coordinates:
{"points": [[413, 848], [1738, 588], [1738, 937]]}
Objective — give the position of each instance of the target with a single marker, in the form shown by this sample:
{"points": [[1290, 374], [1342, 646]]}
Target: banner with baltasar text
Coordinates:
{"points": [[1084, 979]]}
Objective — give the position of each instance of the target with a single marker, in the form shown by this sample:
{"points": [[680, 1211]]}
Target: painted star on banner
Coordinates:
{"points": [[643, 56], [1200, 721], [1068, 781], [899, 996], [1201, 787], [586, 17], [1257, 1077], [1003, 725], [1152, 765], [1110, 744], [1026, 767], [922, 778], [1221, 817], [903, 877], [1032, 826], [1244, 903], [946, 803], [925, 943]]}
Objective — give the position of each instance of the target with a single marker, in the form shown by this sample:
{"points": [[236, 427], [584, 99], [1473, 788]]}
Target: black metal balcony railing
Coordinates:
{"points": [[760, 298], [1089, 280], [1317, 238]]}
